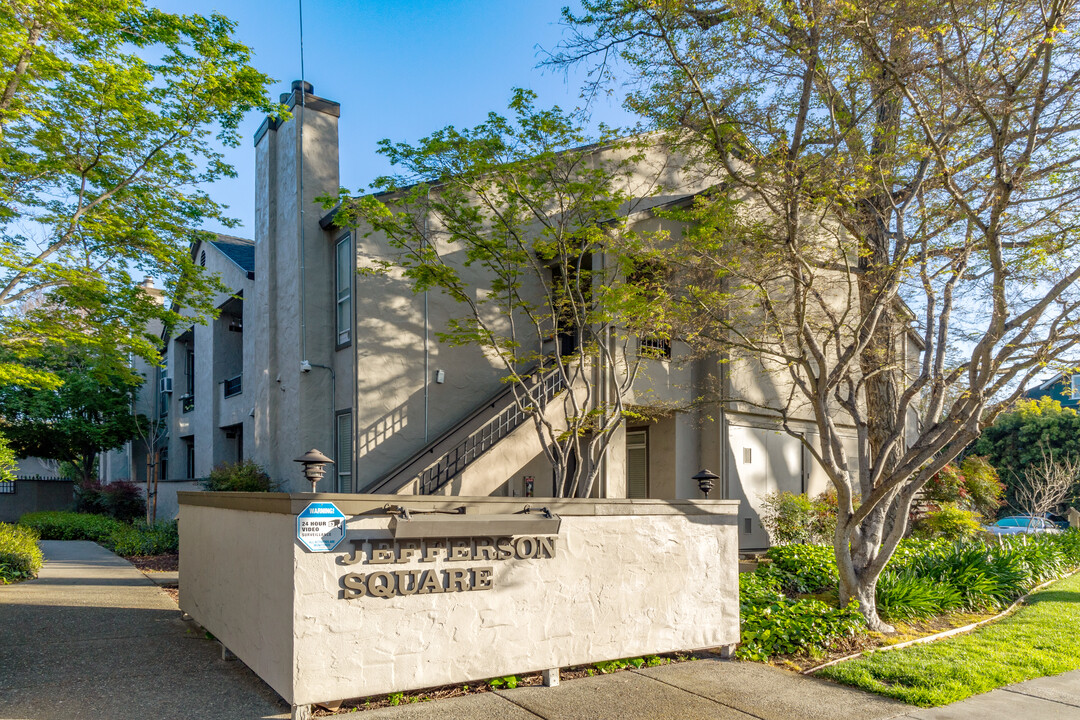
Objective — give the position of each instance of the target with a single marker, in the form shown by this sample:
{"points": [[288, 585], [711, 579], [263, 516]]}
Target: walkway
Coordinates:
{"points": [[93, 638]]}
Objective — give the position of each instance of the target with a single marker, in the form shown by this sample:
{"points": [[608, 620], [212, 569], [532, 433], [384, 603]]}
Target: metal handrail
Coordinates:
{"points": [[454, 461]]}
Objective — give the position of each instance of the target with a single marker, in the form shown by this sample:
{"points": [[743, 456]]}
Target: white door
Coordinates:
{"points": [[760, 462]]}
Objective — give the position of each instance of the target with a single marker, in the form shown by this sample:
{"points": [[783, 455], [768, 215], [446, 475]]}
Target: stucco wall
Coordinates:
{"points": [[628, 578], [236, 581]]}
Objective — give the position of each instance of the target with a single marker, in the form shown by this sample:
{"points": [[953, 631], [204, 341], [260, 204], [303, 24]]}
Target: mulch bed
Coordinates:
{"points": [[157, 563]]}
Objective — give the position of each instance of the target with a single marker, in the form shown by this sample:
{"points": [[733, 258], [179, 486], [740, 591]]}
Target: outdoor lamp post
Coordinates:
{"points": [[705, 481], [314, 463]]}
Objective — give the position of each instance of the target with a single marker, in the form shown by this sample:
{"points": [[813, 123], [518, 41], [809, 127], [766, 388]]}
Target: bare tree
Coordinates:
{"points": [[1043, 486], [897, 175]]}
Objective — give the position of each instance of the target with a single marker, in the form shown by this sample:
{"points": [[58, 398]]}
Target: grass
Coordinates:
{"points": [[1038, 640]]}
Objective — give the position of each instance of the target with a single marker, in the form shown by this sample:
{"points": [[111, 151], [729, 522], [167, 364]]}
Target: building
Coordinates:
{"points": [[1065, 388], [347, 363]]}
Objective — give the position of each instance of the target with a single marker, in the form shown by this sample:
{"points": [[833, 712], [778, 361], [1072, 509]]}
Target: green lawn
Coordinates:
{"points": [[1040, 639]]}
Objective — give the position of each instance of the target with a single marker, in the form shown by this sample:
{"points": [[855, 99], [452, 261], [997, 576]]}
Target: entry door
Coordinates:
{"points": [[760, 462]]}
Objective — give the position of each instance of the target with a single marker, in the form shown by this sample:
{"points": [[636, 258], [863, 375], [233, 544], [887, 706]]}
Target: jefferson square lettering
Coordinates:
{"points": [[423, 582]]}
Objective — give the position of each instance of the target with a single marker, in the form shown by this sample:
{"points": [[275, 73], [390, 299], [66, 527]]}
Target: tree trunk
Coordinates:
{"points": [[857, 580]]}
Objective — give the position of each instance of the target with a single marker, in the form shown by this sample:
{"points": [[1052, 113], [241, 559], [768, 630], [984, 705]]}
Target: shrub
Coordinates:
{"points": [[801, 568], [57, 525], [949, 522], [243, 476], [89, 499], [124, 500], [792, 518], [127, 539], [20, 555], [985, 491], [141, 539]]}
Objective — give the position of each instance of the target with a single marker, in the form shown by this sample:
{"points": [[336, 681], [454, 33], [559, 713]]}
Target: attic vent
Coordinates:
{"points": [[747, 455], [202, 258]]}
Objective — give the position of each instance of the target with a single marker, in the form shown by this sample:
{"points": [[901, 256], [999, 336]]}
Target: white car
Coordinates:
{"points": [[1022, 525]]}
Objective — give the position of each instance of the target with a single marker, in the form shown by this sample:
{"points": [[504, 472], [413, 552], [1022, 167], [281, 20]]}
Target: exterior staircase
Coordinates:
{"points": [[438, 463]]}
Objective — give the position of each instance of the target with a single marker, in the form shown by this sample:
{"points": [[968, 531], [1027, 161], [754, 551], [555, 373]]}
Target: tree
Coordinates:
{"points": [[514, 221], [88, 413], [890, 171], [1046, 484], [111, 118], [1018, 440], [8, 462]]}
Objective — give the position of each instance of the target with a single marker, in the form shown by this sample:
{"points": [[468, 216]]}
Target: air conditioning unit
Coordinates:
{"points": [[165, 384]]}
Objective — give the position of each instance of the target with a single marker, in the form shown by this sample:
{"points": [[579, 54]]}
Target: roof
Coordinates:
{"points": [[239, 250]]}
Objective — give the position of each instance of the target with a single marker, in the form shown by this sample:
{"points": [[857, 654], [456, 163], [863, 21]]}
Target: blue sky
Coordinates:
{"points": [[400, 70]]}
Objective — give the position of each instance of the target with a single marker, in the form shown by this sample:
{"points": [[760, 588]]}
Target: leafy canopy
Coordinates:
{"points": [[112, 119]]}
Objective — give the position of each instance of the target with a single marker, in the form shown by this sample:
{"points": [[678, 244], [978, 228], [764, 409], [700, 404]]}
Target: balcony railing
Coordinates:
{"points": [[233, 386]]}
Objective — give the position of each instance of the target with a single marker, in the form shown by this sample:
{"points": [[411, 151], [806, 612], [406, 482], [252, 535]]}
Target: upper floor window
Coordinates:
{"points": [[344, 261]]}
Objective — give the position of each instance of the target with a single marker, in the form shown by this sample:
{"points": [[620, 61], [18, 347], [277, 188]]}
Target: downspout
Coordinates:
{"points": [[427, 323], [333, 415]]}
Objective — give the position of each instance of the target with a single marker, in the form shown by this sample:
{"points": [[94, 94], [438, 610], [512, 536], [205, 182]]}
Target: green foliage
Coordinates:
{"points": [[122, 500], [8, 461], [509, 682], [948, 522], [775, 625], [974, 485], [20, 555], [113, 116], [127, 539], [1018, 440], [1040, 639], [141, 539], [908, 596], [523, 204], [924, 578], [89, 413], [792, 518], [801, 568], [58, 525], [245, 476]]}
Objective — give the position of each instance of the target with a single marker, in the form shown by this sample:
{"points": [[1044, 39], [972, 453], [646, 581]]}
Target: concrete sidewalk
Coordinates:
{"points": [[92, 637], [726, 690]]}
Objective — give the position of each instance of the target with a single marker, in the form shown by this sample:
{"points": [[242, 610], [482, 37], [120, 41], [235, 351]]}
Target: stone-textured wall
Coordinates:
{"points": [[628, 578]]}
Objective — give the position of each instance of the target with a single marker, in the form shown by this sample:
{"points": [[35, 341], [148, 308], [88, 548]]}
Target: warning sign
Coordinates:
{"points": [[320, 527]]}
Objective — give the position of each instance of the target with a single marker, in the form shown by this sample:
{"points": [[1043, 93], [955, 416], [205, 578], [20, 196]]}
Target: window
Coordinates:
{"points": [[1075, 387], [654, 347], [343, 452], [345, 266], [637, 464]]}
